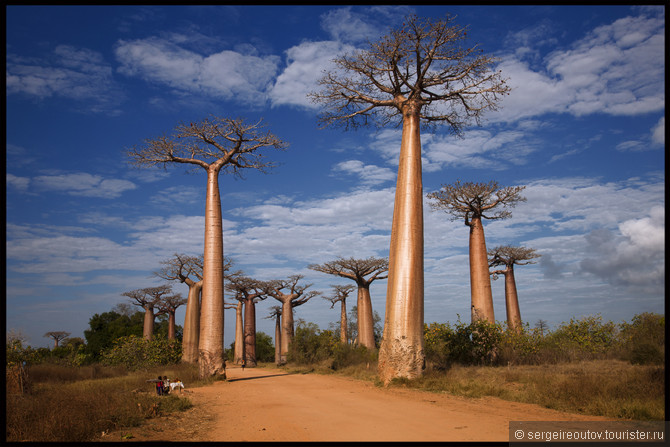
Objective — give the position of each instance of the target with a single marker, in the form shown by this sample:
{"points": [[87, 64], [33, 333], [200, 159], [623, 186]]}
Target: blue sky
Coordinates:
{"points": [[583, 130]]}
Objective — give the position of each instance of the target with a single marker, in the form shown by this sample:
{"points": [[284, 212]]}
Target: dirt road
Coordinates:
{"points": [[267, 405]]}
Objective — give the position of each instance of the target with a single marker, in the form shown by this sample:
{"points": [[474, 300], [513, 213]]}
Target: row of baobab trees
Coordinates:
{"points": [[470, 201], [417, 76]]}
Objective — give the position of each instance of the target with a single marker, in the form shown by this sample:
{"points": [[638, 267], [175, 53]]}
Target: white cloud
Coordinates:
{"points": [[19, 183], [601, 73], [75, 73], [83, 184], [368, 174], [305, 66], [226, 74], [658, 132]]}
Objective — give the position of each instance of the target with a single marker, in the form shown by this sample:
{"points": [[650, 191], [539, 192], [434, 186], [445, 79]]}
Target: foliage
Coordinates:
{"points": [[265, 349], [345, 355], [311, 345], [643, 340], [108, 327], [135, 352]]}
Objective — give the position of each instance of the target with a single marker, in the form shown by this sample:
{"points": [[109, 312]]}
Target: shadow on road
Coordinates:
{"points": [[237, 379]]}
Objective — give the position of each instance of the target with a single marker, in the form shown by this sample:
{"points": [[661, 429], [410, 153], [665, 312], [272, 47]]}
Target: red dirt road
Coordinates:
{"points": [[267, 405]]}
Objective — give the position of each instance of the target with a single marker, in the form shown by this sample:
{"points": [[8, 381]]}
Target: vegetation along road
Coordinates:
{"points": [[257, 404]]}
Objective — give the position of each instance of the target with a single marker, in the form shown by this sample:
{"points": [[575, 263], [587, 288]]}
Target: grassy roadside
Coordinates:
{"points": [[76, 404], [610, 388]]}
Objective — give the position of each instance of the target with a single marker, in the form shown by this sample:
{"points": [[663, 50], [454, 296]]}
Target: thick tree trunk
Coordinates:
{"points": [[250, 333], [366, 331], [286, 328], [480, 280], [343, 321], [148, 331], [210, 357], [401, 352], [512, 301], [278, 340], [238, 355], [192, 323], [172, 329]]}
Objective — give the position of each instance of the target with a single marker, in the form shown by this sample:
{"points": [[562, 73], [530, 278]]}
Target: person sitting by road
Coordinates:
{"points": [[166, 385]]}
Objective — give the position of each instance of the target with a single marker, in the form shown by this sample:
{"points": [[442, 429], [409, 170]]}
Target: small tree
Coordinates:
{"points": [[291, 295], [418, 75], [542, 326], [220, 144], [508, 256], [57, 336], [363, 272], [340, 295], [473, 202], [169, 305], [249, 291], [148, 299], [275, 313]]}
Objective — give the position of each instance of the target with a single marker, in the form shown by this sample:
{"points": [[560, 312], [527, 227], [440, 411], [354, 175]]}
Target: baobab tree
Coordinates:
{"points": [[238, 350], [508, 256], [419, 75], [169, 305], [364, 272], [148, 299], [216, 145], [340, 295], [473, 202], [188, 270], [275, 313], [57, 336], [249, 291], [291, 295]]}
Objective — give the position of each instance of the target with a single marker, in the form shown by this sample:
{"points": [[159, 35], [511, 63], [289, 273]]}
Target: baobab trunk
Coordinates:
{"points": [[343, 322], [278, 340], [172, 330], [480, 281], [149, 317], [239, 335], [512, 301], [210, 358], [287, 329], [401, 352], [366, 334], [192, 323], [250, 334]]}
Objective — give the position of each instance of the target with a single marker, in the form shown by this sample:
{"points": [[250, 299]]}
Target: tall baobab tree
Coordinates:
{"points": [[216, 145], [474, 202], [249, 291], [364, 272], [508, 256], [148, 299], [275, 313], [417, 76], [57, 336], [290, 294], [340, 295], [169, 305]]}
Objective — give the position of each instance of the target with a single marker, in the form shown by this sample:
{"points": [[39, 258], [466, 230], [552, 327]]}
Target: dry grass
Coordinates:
{"points": [[62, 407], [610, 388]]}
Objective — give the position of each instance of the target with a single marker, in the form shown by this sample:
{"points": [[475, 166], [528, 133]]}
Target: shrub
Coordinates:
{"points": [[643, 340], [345, 354], [135, 352], [310, 345]]}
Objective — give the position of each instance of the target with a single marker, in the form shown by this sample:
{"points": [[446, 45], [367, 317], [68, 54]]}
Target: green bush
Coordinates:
{"points": [[643, 340], [311, 345], [349, 355], [135, 352]]}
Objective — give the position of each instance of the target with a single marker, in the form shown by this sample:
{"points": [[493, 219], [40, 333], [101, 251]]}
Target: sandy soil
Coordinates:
{"points": [[267, 405]]}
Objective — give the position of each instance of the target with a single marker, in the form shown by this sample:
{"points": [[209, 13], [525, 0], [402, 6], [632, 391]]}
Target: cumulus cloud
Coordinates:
{"points": [[633, 256], [368, 174], [76, 73], [83, 184], [226, 74], [598, 74]]}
